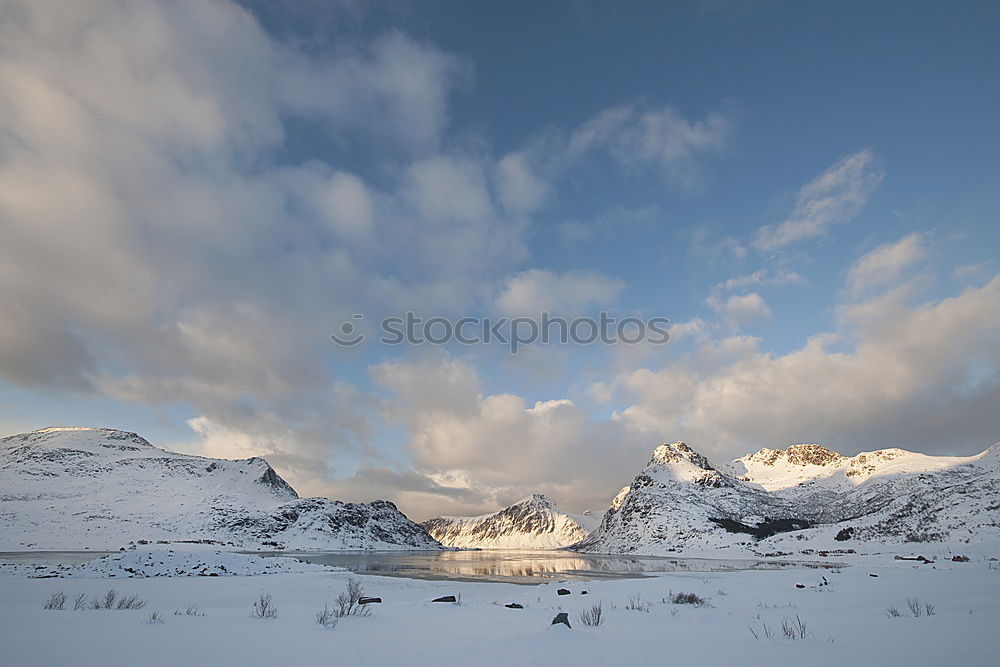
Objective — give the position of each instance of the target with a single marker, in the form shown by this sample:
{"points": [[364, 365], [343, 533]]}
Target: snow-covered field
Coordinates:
{"points": [[846, 620]]}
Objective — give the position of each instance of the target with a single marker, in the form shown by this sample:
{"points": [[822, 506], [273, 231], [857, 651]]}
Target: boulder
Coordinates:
{"points": [[370, 601], [514, 605], [446, 598], [562, 591], [562, 617]]}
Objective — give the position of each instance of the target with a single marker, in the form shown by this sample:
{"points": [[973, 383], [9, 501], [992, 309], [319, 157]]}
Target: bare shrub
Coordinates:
{"points": [[764, 632], [348, 602], [892, 611], [635, 603], [264, 608], [106, 602], [191, 610], [794, 629], [929, 609], [80, 602], [594, 616], [913, 604], [327, 618], [154, 618], [130, 602], [57, 601], [688, 598]]}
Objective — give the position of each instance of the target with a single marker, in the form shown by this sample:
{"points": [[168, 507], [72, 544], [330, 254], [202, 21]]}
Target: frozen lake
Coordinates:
{"points": [[497, 565], [526, 566]]}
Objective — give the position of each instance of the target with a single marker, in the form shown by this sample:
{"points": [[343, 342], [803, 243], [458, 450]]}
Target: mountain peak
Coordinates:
{"points": [[798, 455], [534, 522], [82, 438], [535, 499], [679, 452]]}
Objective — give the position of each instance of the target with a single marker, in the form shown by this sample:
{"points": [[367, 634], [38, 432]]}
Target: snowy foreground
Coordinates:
{"points": [[846, 621]]}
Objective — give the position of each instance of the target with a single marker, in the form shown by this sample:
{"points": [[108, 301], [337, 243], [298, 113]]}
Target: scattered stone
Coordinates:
{"points": [[583, 592], [873, 575], [514, 605], [960, 559], [800, 585], [370, 601], [562, 617], [844, 534], [446, 598], [562, 591], [917, 558]]}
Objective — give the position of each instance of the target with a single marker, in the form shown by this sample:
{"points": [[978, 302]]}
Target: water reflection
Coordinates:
{"points": [[527, 566]]}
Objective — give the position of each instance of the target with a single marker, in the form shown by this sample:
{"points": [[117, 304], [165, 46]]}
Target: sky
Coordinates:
{"points": [[195, 195]]}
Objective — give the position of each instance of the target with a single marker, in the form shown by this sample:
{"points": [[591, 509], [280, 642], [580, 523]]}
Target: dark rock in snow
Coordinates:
{"points": [[514, 605], [370, 601], [562, 591], [844, 534], [562, 617], [445, 598]]}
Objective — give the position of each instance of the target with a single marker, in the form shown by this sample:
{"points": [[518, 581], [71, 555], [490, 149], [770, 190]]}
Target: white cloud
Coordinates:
{"points": [[394, 88], [449, 189], [976, 271], [740, 309], [347, 205], [500, 446], [885, 263], [923, 376], [519, 188], [534, 291], [662, 138], [762, 277], [836, 196], [181, 262]]}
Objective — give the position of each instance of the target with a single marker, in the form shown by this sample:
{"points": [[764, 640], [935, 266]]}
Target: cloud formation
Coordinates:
{"points": [[834, 197], [885, 263]]}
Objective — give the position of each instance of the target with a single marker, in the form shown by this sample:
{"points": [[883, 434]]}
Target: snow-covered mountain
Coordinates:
{"points": [[804, 496], [76, 488], [532, 523]]}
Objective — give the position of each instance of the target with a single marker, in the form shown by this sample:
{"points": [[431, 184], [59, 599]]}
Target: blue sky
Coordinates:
{"points": [[194, 195]]}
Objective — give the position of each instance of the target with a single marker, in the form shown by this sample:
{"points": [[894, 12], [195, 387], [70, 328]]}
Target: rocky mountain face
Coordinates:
{"points": [[77, 488], [804, 496], [532, 523]]}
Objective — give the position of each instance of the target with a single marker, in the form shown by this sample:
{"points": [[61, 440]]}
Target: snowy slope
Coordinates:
{"points": [[532, 523], [76, 488], [805, 496]]}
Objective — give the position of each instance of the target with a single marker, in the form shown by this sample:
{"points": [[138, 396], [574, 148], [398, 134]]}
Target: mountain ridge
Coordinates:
{"points": [[681, 502], [534, 522], [98, 488]]}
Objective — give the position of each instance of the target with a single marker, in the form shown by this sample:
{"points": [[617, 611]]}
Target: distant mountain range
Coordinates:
{"points": [[803, 497], [78, 488], [532, 523]]}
